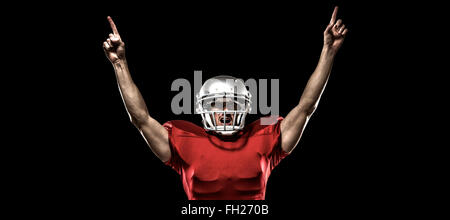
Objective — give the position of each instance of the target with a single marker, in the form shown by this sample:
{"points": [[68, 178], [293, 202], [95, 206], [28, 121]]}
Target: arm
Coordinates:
{"points": [[153, 132], [295, 122]]}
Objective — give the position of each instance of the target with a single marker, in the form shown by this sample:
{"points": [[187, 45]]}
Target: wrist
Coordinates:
{"points": [[327, 50], [120, 61]]}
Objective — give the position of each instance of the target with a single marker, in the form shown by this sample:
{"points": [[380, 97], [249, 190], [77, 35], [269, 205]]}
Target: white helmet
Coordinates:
{"points": [[210, 99]]}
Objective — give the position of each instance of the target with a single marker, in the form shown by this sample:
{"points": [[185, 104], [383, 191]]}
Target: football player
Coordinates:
{"points": [[225, 159]]}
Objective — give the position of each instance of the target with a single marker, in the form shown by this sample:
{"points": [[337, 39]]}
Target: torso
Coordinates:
{"points": [[212, 168]]}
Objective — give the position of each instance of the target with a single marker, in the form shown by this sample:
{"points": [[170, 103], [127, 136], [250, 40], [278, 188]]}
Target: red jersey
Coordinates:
{"points": [[215, 167]]}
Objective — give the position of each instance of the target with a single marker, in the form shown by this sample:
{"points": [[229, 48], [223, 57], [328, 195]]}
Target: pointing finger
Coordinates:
{"points": [[333, 17], [113, 27]]}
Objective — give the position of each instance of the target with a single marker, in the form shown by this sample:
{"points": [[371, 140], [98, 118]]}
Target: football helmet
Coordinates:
{"points": [[223, 102]]}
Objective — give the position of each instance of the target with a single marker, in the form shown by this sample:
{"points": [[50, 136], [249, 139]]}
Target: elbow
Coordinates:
{"points": [[135, 122], [165, 156], [308, 110]]}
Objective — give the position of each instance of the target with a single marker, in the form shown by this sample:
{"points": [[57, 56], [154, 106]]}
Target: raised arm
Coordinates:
{"points": [[153, 132], [293, 125]]}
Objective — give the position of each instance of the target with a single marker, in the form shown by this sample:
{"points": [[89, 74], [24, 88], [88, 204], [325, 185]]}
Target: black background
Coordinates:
{"points": [[91, 161]]}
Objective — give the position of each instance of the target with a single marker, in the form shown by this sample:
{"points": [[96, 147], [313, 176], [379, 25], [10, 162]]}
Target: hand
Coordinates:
{"points": [[114, 47], [334, 34]]}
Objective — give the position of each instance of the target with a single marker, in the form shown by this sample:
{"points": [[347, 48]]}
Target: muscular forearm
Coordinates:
{"points": [[317, 82], [131, 96]]}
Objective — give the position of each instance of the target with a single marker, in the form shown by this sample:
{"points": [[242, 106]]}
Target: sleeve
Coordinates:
{"points": [[277, 153], [175, 160]]}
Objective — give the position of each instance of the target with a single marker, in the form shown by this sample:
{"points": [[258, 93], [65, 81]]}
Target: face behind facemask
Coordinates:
{"points": [[223, 103]]}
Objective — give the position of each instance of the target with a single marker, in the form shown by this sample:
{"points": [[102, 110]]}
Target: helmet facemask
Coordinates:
{"points": [[223, 112]]}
